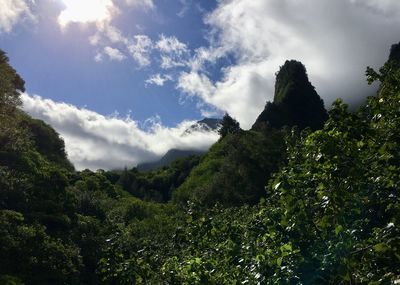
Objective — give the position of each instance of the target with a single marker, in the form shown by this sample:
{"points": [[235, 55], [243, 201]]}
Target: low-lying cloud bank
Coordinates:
{"points": [[95, 141]]}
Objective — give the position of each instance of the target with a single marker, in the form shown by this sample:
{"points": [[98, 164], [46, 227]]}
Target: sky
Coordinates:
{"points": [[121, 80]]}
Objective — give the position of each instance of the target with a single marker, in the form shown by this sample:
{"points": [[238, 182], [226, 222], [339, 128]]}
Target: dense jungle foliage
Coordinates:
{"points": [[313, 204]]}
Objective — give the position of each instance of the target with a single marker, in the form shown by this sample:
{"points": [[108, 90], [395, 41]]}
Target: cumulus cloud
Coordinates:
{"points": [[95, 141], [11, 12], [241, 93], [158, 79], [336, 40]]}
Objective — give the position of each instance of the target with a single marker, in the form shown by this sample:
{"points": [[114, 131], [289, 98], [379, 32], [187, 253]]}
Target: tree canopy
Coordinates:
{"points": [[11, 84], [228, 126]]}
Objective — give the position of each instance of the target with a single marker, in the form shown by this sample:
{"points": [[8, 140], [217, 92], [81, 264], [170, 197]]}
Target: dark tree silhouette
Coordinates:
{"points": [[228, 126], [395, 53]]}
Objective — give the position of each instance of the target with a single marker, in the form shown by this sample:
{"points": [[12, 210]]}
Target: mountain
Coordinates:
{"points": [[45, 140], [168, 158], [207, 124], [295, 100]]}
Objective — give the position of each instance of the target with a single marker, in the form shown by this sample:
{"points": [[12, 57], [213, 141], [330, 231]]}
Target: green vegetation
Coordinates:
{"points": [[159, 184], [168, 158], [264, 206], [235, 170], [228, 126]]}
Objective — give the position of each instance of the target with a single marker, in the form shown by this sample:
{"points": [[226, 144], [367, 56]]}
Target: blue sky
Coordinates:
{"points": [[120, 80], [59, 62]]}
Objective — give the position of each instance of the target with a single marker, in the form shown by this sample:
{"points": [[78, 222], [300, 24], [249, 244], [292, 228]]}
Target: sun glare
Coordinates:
{"points": [[85, 11]]}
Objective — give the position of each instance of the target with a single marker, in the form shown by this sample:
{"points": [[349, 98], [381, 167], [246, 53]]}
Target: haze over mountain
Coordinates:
{"points": [[205, 125]]}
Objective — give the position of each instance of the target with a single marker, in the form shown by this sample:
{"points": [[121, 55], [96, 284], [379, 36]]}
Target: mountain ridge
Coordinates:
{"points": [[204, 125]]}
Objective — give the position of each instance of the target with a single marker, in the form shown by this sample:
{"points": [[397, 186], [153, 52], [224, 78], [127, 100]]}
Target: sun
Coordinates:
{"points": [[85, 11]]}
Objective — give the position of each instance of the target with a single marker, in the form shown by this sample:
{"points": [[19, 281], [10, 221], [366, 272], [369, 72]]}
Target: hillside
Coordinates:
{"points": [[168, 158]]}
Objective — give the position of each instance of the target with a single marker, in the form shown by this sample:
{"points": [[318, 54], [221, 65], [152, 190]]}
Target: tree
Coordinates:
{"points": [[395, 53], [228, 126], [11, 84]]}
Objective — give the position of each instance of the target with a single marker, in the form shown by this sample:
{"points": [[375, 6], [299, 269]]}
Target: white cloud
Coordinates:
{"points": [[114, 54], [107, 32], [335, 40], [140, 49], [169, 52], [146, 4], [12, 12], [171, 45], [158, 79], [196, 84], [211, 113], [96, 141], [241, 92], [168, 62], [173, 52], [184, 9], [107, 37], [98, 57], [95, 39]]}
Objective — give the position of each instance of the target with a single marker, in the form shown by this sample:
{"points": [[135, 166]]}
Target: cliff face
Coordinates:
{"points": [[295, 100]]}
